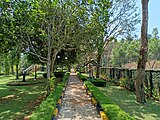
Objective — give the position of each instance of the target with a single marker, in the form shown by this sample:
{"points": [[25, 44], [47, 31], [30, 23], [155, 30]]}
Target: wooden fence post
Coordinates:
{"points": [[151, 83], [110, 73], [113, 72]]}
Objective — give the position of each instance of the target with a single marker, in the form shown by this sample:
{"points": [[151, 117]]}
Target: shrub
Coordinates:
{"points": [[122, 82], [59, 74], [100, 97], [46, 108], [127, 83], [98, 82], [130, 85], [45, 75], [2, 73], [82, 77], [52, 83], [113, 111], [66, 77], [115, 81]]}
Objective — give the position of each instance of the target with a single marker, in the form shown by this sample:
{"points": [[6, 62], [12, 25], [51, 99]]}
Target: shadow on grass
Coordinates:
{"points": [[19, 101], [126, 100]]}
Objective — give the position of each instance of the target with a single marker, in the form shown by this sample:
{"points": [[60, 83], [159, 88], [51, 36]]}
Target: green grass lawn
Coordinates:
{"points": [[126, 100], [16, 102]]}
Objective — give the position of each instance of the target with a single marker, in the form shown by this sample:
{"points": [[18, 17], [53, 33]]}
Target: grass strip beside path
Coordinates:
{"points": [[113, 111], [126, 100]]}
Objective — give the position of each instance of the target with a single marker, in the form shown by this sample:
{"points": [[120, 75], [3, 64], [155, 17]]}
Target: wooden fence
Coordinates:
{"points": [[152, 78]]}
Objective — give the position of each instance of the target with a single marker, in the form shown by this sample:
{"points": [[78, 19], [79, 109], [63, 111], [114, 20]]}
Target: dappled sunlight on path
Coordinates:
{"points": [[76, 104]]}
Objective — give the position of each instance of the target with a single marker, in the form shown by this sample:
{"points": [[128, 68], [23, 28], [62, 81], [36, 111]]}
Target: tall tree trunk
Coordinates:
{"points": [[17, 75], [98, 65], [140, 77], [49, 64], [24, 77], [52, 62], [48, 69], [12, 69], [69, 67], [49, 51], [0, 68], [35, 72], [7, 66]]}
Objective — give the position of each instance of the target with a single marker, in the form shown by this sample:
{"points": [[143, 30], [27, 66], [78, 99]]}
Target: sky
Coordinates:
{"points": [[154, 15]]}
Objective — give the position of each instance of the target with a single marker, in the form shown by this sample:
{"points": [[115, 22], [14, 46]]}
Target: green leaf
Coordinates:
{"points": [[89, 1]]}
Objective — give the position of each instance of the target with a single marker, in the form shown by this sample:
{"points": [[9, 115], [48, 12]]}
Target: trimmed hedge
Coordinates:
{"points": [[96, 81], [59, 74], [56, 74], [82, 77], [64, 79], [113, 111], [45, 75], [46, 108], [2, 74]]}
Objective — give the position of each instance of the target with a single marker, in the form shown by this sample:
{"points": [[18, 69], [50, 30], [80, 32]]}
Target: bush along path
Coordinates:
{"points": [[76, 104], [106, 107], [49, 108]]}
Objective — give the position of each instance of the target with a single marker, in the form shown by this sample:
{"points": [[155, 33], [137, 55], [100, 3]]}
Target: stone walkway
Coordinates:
{"points": [[76, 104]]}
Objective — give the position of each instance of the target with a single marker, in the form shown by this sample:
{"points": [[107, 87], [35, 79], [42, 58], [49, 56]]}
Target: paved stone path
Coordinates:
{"points": [[76, 104]]}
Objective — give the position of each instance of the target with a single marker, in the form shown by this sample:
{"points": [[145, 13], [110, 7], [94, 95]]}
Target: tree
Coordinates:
{"points": [[123, 17], [109, 20], [14, 16], [53, 25], [43, 28], [153, 52], [140, 76], [98, 12], [132, 51], [124, 51], [119, 54], [155, 33], [153, 48]]}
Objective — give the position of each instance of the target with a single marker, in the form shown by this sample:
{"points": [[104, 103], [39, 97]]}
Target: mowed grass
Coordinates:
{"points": [[126, 100], [16, 102]]}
